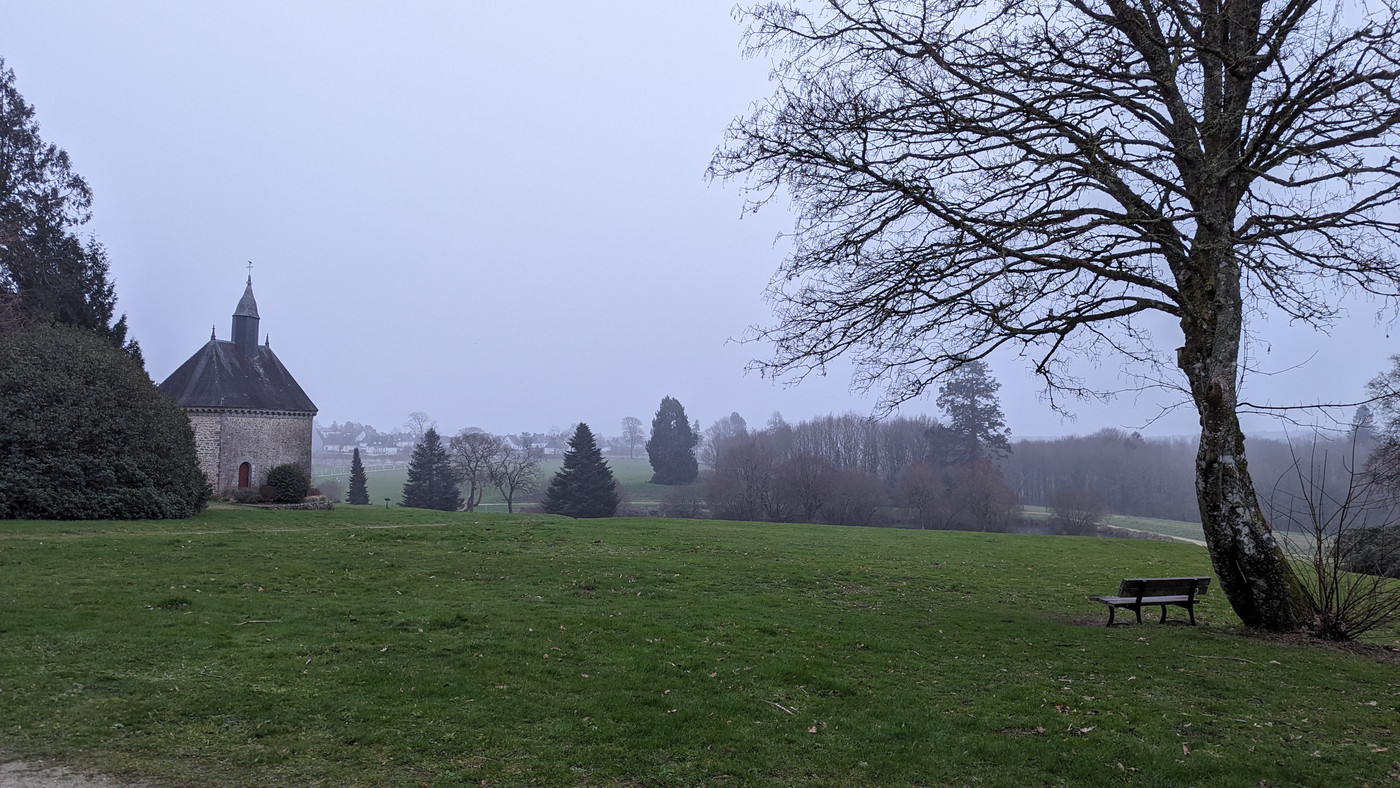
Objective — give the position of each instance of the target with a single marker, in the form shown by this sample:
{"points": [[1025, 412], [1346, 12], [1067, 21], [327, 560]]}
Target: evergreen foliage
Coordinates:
{"points": [[969, 398], [85, 435], [431, 483], [52, 270], [584, 487], [359, 488], [289, 483], [672, 445]]}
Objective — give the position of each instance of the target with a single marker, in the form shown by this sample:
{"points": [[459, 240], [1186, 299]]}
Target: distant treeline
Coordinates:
{"points": [[1138, 476], [1156, 477]]}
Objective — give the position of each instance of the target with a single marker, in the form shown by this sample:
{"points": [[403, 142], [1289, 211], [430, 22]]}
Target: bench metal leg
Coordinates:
{"points": [[1111, 611], [1164, 615], [1191, 611], [1138, 610]]}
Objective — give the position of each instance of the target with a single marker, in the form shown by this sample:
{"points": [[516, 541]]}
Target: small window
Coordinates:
{"points": [[245, 474]]}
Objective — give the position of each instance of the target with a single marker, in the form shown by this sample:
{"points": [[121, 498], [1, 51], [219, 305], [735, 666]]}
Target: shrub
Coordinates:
{"points": [[331, 488], [288, 484], [1077, 511], [85, 435], [247, 494], [685, 502]]}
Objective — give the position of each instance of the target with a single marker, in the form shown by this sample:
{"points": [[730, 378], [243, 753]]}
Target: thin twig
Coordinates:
{"points": [[1207, 656], [260, 621], [781, 706]]}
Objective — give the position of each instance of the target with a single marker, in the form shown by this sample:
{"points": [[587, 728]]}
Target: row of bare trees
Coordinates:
{"points": [[851, 470]]}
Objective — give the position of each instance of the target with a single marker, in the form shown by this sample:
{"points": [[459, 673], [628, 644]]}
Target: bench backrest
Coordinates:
{"points": [[1164, 586]]}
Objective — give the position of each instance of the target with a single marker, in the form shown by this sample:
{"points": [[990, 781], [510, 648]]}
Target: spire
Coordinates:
{"points": [[245, 322], [212, 336], [247, 305]]}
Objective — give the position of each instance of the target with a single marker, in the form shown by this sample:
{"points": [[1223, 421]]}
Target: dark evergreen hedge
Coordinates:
{"points": [[85, 434]]}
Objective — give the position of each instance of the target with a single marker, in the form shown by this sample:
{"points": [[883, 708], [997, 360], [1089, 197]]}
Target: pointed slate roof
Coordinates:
{"points": [[247, 307], [220, 375]]}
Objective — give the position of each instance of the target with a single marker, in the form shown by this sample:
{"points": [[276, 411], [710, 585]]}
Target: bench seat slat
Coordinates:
{"points": [[1147, 600]]}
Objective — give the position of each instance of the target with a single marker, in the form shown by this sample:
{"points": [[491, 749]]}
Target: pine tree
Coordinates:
{"points": [[359, 490], [672, 445], [431, 484], [584, 487], [969, 398]]}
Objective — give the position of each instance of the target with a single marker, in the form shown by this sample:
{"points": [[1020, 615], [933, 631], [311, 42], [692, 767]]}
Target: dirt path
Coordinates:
{"points": [[42, 774]]}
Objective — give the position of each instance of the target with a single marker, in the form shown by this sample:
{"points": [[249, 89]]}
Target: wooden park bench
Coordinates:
{"points": [[1138, 591]]}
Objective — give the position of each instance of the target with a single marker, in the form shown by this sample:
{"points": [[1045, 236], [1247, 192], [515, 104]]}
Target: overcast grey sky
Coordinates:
{"points": [[492, 212]]}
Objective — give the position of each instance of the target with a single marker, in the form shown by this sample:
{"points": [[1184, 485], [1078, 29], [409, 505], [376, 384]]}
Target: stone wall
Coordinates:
{"points": [[265, 439]]}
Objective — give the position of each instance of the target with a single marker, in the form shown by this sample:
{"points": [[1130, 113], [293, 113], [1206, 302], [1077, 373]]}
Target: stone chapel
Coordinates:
{"points": [[248, 412]]}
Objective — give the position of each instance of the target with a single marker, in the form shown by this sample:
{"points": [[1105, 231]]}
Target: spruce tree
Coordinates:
{"points": [[584, 487], [672, 445], [359, 489], [431, 484]]}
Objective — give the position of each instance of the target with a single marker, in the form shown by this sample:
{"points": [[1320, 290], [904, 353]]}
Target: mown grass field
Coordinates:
{"points": [[407, 647]]}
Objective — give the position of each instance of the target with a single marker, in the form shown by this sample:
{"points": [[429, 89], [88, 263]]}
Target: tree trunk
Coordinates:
{"points": [[1255, 575]]}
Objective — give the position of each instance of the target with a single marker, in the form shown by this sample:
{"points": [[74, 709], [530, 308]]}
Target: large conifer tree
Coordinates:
{"points": [[584, 487], [359, 489], [968, 397], [431, 483], [46, 264], [672, 445]]}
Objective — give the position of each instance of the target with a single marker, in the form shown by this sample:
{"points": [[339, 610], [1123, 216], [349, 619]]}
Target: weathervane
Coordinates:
{"points": [[250, 272]]}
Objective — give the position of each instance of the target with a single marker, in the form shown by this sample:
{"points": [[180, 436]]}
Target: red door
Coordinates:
{"points": [[245, 474]]}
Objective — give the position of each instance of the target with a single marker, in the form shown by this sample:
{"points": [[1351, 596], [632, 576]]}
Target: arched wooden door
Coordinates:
{"points": [[245, 474]]}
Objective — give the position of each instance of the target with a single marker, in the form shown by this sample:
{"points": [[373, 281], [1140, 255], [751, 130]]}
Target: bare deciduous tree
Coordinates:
{"points": [[804, 481], [1041, 174], [1380, 425], [632, 435], [921, 488], [418, 423], [515, 471], [473, 452], [980, 499]]}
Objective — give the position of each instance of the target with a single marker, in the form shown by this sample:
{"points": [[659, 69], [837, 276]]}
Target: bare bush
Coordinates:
{"points": [[921, 488], [683, 501], [1077, 511], [1342, 530], [981, 498], [854, 498]]}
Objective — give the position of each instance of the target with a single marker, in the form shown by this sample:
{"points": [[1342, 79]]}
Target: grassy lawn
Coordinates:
{"points": [[407, 647], [1176, 528]]}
